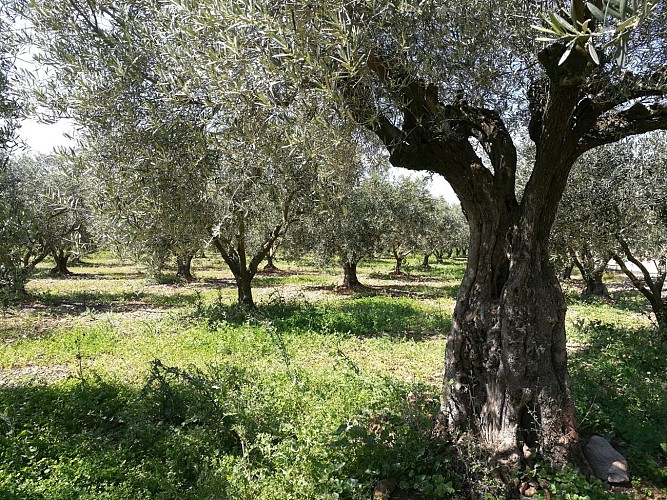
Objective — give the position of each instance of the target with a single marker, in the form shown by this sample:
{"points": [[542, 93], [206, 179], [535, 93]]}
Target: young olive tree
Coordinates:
{"points": [[349, 220], [640, 214]]}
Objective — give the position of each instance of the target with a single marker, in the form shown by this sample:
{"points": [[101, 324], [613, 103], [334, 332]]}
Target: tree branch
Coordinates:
{"points": [[637, 119]]}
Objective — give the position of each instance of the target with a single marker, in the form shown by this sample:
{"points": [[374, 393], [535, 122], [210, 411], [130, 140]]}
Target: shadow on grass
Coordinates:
{"points": [[76, 303], [95, 437], [181, 437], [360, 316], [619, 382], [420, 291]]}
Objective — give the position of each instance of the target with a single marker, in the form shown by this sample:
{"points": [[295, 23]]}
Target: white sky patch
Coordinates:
{"points": [[437, 183], [44, 137]]}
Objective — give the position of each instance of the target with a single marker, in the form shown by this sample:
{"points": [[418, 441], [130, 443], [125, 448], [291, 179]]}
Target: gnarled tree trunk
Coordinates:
{"points": [[592, 269], [350, 278], [184, 267], [506, 379], [61, 258]]}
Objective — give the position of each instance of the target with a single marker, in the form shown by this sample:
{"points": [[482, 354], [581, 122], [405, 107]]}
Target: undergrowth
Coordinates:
{"points": [[174, 393]]}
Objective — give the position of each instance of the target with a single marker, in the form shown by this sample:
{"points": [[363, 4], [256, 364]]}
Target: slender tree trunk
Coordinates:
{"points": [[425, 264], [439, 256], [184, 267], [350, 279], [61, 258]]}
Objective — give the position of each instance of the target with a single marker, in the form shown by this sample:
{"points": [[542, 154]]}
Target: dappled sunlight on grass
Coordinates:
{"points": [[316, 392], [619, 382]]}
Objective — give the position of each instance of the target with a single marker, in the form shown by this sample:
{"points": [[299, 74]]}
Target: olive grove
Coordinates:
{"points": [[443, 86]]}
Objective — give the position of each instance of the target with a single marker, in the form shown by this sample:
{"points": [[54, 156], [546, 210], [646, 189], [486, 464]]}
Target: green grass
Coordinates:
{"points": [[115, 386]]}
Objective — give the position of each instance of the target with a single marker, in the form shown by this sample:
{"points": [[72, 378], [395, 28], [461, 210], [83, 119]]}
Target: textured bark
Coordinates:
{"points": [[592, 269], [506, 379], [184, 267], [506, 361], [61, 259], [350, 279], [244, 290]]}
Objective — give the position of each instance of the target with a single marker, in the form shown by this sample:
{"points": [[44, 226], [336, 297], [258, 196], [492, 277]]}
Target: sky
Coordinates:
{"points": [[42, 137]]}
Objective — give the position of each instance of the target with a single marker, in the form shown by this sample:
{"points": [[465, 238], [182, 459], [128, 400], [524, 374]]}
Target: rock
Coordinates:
{"points": [[384, 489], [607, 463]]}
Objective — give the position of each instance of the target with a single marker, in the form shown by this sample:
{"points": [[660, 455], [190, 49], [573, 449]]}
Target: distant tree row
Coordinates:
{"points": [[158, 206], [615, 210]]}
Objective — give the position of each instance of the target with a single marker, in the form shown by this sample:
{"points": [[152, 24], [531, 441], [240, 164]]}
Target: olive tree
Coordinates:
{"points": [[149, 182], [348, 222], [407, 206], [450, 230], [12, 278], [581, 236], [260, 190], [617, 204], [443, 85], [55, 217], [180, 154]]}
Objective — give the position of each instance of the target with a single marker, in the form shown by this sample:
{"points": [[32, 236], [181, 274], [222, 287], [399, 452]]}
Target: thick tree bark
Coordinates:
{"points": [[592, 272], [350, 279], [184, 267], [506, 379], [61, 258], [506, 376]]}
